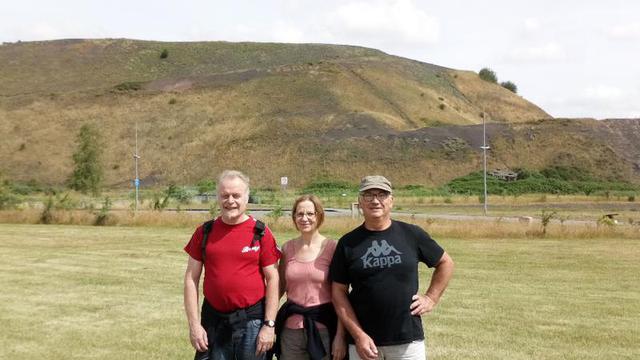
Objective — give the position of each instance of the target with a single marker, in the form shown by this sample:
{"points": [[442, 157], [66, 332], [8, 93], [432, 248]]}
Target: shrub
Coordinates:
{"points": [[410, 187], [206, 186], [275, 214], [164, 54], [545, 219], [46, 216], [103, 214], [178, 193], [328, 187], [172, 101], [159, 201], [567, 173], [509, 86], [552, 180], [605, 220], [489, 75], [7, 198], [129, 86], [55, 202], [22, 188]]}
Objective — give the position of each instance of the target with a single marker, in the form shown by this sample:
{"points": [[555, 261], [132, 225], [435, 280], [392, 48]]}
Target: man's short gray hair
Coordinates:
{"points": [[232, 174]]}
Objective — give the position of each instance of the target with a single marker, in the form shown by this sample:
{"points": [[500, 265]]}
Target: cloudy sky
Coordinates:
{"points": [[573, 58]]}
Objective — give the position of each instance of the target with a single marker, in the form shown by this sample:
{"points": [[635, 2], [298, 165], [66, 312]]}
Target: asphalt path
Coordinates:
{"points": [[335, 212]]}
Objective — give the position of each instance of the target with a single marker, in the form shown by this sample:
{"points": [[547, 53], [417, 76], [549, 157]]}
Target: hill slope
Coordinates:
{"points": [[305, 110]]}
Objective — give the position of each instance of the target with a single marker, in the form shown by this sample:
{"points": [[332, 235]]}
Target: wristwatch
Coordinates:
{"points": [[269, 323]]}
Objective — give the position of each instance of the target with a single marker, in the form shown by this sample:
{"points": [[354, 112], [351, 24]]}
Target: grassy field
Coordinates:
{"points": [[81, 292]]}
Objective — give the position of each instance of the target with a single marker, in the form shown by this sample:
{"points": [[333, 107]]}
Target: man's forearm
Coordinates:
{"points": [[271, 296], [345, 312], [191, 302], [440, 278]]}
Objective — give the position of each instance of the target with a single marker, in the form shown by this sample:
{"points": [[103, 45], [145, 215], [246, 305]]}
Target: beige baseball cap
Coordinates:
{"points": [[375, 182]]}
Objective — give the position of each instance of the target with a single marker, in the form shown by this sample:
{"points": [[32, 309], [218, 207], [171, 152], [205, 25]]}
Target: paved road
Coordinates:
{"points": [[333, 212]]}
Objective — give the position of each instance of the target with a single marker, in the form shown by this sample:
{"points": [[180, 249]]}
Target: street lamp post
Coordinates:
{"points": [[137, 179], [484, 148]]}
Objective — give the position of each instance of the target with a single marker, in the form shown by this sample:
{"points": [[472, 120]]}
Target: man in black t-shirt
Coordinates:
{"points": [[379, 260]]}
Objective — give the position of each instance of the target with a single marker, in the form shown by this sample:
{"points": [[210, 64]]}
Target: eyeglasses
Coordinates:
{"points": [[308, 214], [381, 196]]}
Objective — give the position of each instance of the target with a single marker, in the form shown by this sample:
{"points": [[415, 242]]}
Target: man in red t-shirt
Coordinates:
{"points": [[238, 310]]}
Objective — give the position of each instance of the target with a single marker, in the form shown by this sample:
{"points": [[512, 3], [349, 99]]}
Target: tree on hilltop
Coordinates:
{"points": [[509, 86], [489, 75]]}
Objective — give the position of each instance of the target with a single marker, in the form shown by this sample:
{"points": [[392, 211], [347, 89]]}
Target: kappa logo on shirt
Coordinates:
{"points": [[247, 249], [380, 255]]}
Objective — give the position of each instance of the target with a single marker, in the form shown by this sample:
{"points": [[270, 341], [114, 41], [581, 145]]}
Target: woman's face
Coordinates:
{"points": [[306, 217]]}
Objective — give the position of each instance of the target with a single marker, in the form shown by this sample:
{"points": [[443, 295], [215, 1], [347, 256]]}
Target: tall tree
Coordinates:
{"points": [[88, 173]]}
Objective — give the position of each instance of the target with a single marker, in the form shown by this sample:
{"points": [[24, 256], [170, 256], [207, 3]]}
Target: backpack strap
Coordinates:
{"points": [[206, 229], [258, 232]]}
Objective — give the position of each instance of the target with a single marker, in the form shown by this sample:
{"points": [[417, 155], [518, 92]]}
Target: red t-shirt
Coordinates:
{"points": [[233, 276]]}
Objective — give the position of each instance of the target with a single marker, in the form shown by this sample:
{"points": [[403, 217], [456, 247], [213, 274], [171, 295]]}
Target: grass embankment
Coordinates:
{"points": [[77, 292], [551, 180]]}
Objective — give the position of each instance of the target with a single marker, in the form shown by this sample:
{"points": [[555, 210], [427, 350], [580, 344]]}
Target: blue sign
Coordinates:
{"points": [[137, 182]]}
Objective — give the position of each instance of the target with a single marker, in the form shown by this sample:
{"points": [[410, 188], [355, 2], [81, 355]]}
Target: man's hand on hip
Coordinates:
{"points": [[421, 304]]}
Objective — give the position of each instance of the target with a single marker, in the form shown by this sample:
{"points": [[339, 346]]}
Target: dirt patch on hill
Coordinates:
{"points": [[356, 125], [209, 81], [169, 85]]}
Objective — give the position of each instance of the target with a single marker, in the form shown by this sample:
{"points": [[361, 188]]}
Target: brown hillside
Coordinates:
{"points": [[305, 111]]}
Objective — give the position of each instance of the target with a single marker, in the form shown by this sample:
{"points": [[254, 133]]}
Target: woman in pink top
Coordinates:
{"points": [[308, 315]]}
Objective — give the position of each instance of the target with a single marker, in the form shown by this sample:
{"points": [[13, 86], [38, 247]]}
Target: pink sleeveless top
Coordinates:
{"points": [[307, 281]]}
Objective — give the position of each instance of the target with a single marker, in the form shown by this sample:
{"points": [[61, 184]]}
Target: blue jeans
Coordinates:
{"points": [[242, 348]]}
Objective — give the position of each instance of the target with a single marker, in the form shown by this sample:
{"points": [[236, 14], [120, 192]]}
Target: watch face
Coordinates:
{"points": [[270, 323]]}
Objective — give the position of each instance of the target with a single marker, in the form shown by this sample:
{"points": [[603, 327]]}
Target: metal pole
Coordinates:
{"points": [[484, 153], [137, 180]]}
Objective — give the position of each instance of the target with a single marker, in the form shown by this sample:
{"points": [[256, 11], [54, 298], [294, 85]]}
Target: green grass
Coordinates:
{"points": [[75, 292], [542, 299], [87, 293]]}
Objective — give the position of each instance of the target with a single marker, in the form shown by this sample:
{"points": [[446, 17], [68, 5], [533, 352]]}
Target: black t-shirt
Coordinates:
{"points": [[382, 269]]}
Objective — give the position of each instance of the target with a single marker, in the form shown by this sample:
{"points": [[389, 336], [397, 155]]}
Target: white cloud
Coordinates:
{"points": [[50, 31], [46, 31], [598, 101], [287, 33], [531, 24], [551, 51], [36, 31], [625, 31], [381, 21], [603, 92]]}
